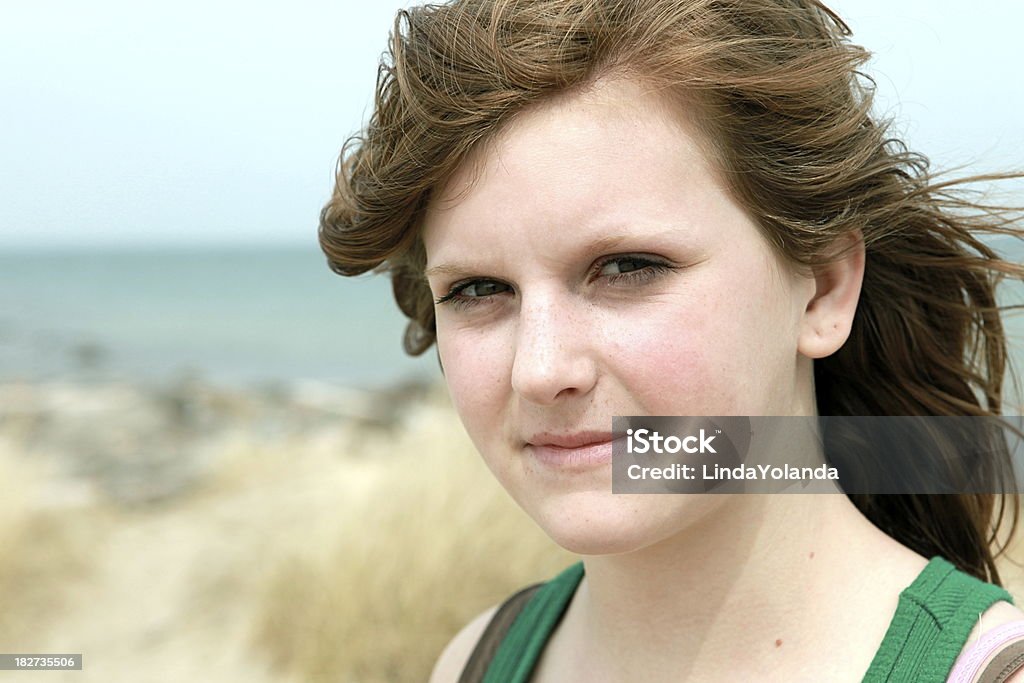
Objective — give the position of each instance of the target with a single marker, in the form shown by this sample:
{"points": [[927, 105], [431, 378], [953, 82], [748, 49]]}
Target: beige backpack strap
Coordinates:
{"points": [[1007, 661]]}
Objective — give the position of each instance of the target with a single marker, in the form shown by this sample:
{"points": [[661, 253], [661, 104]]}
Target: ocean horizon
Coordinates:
{"points": [[232, 315]]}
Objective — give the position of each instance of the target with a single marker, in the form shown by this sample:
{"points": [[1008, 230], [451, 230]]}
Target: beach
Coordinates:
{"points": [[185, 531]]}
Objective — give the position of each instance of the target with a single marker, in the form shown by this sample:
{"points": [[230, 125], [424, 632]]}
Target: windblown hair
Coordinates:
{"points": [[775, 90]]}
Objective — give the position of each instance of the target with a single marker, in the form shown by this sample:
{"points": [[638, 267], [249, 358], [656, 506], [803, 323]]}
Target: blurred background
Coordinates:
{"points": [[216, 463]]}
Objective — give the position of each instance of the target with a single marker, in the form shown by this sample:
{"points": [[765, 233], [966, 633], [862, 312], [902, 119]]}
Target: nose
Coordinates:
{"points": [[554, 353]]}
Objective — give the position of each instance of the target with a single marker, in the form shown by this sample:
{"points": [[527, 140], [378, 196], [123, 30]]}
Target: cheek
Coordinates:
{"points": [[671, 360], [476, 372], [699, 353]]}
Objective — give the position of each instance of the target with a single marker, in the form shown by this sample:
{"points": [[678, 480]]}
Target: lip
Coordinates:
{"points": [[575, 440], [573, 451]]}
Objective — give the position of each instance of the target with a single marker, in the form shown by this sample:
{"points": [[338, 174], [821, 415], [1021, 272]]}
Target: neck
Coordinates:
{"points": [[728, 591]]}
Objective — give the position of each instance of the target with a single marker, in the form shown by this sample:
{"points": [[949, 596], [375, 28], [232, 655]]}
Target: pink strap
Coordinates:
{"points": [[971, 661]]}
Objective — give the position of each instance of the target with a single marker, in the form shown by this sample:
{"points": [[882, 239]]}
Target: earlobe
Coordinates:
{"points": [[828, 317]]}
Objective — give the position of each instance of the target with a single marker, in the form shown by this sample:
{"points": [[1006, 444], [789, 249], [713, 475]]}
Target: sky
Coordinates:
{"points": [[209, 122]]}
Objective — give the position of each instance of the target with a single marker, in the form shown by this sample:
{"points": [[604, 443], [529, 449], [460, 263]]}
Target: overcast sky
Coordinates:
{"points": [[200, 122]]}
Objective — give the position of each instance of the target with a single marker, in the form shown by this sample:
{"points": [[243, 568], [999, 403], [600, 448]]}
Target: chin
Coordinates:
{"points": [[602, 523], [594, 523], [591, 546]]}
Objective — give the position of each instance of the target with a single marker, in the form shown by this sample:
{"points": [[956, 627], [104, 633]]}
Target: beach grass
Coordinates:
{"points": [[46, 553], [333, 549], [429, 542]]}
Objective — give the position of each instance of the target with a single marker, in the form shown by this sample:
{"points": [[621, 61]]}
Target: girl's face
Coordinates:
{"points": [[592, 265]]}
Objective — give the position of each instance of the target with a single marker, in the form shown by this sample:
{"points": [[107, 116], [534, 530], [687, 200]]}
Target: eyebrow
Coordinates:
{"points": [[600, 244], [444, 269]]}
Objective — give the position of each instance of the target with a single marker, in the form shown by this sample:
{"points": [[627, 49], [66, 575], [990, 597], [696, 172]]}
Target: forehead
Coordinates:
{"points": [[608, 119], [616, 158]]}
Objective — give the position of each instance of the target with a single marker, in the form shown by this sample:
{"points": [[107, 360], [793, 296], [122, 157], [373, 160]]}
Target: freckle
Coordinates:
{"points": [[778, 642], [811, 556]]}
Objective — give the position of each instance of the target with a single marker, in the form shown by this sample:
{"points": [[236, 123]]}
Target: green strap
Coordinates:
{"points": [[521, 648], [933, 618]]}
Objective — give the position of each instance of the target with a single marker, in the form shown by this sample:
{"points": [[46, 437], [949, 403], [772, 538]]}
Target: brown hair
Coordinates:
{"points": [[781, 101]]}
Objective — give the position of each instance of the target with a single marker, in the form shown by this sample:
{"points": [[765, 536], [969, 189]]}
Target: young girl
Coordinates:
{"points": [[683, 207]]}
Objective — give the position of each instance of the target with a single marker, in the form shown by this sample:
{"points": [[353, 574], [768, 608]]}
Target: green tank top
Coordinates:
{"points": [[933, 618]]}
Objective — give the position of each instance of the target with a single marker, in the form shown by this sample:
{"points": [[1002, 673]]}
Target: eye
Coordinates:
{"points": [[483, 288], [634, 269], [613, 270], [470, 293], [623, 264]]}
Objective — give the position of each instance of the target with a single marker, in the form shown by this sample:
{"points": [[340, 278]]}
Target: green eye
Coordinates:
{"points": [[625, 269], [634, 269], [482, 288], [626, 265], [471, 293]]}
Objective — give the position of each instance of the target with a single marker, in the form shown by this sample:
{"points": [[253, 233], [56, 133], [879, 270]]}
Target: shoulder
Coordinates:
{"points": [[997, 615], [453, 658]]}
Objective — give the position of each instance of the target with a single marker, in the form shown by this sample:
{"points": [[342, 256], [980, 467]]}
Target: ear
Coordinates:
{"points": [[828, 316]]}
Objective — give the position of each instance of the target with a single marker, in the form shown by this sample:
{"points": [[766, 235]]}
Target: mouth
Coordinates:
{"points": [[594, 454]]}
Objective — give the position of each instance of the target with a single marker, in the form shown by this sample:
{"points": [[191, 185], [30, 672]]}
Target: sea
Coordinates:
{"points": [[230, 315]]}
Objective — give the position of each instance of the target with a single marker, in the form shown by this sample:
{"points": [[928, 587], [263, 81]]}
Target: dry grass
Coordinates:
{"points": [[46, 552], [427, 545], [335, 554]]}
